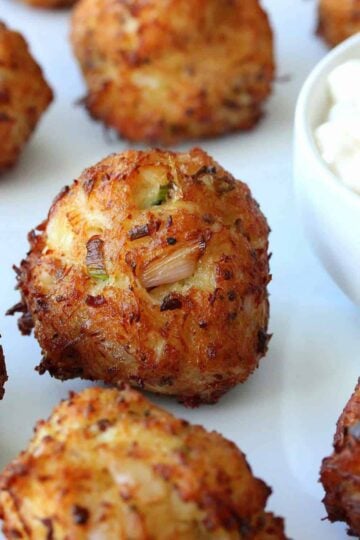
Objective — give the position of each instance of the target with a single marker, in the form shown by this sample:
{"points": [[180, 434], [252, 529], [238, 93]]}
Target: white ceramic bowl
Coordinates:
{"points": [[330, 211]]}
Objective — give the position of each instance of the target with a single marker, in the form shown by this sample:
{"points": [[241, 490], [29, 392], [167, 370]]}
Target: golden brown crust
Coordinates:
{"points": [[50, 4], [3, 374], [24, 95], [338, 20], [168, 70], [195, 337], [340, 473], [109, 464]]}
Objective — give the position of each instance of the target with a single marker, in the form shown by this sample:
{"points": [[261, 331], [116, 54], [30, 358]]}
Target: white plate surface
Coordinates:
{"points": [[284, 416]]}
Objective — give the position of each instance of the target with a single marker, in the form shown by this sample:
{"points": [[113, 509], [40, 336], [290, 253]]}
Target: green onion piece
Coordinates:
{"points": [[95, 258], [97, 274], [162, 195]]}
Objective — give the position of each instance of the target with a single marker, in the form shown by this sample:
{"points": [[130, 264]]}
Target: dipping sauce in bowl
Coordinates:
{"points": [[338, 138], [327, 163]]}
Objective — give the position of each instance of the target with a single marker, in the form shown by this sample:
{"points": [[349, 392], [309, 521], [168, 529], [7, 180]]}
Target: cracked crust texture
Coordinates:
{"points": [[338, 20], [109, 464], [340, 473], [24, 95], [162, 71], [194, 337], [3, 374]]}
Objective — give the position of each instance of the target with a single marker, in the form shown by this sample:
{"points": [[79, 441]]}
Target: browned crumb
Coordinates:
{"points": [[3, 374], [50, 4]]}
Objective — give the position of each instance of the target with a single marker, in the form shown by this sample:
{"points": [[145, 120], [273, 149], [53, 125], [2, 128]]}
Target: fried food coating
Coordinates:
{"points": [[338, 20], [3, 374], [340, 473], [152, 269], [109, 464], [50, 4], [24, 95], [170, 70]]}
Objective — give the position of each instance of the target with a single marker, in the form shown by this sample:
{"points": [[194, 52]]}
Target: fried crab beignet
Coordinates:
{"points": [[170, 70], [109, 464], [340, 473], [338, 20], [152, 269], [3, 374], [24, 95]]}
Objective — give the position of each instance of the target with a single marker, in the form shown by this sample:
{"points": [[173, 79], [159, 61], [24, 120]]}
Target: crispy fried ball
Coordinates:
{"points": [[24, 95], [109, 464], [152, 268], [338, 19], [168, 70], [50, 4], [3, 374], [340, 473]]}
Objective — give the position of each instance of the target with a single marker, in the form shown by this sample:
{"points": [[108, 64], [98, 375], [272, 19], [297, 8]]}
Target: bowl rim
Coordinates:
{"points": [[302, 124]]}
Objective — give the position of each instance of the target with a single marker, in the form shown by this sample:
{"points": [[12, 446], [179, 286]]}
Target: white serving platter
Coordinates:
{"points": [[284, 417]]}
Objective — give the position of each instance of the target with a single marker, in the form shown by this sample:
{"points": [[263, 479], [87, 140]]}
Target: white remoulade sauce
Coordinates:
{"points": [[338, 138]]}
